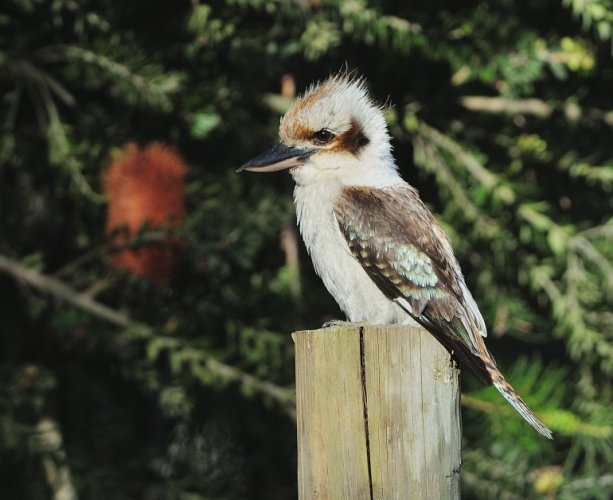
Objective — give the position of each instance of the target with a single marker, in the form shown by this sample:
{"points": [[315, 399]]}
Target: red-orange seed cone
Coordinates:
{"points": [[145, 186]]}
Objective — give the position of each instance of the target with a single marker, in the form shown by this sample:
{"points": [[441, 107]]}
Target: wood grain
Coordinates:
{"points": [[378, 414]]}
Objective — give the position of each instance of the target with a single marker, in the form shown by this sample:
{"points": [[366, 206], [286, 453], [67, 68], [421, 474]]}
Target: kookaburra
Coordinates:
{"points": [[377, 248]]}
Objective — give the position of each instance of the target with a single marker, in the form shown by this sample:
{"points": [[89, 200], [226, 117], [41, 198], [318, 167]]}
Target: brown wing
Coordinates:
{"points": [[406, 253]]}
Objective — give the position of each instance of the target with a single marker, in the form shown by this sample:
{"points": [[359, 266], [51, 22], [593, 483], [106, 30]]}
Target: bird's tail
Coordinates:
{"points": [[515, 399]]}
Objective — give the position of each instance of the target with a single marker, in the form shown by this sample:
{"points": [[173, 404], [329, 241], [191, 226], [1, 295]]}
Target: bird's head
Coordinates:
{"points": [[333, 133]]}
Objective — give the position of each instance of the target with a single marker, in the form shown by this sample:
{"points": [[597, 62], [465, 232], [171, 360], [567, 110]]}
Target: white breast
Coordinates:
{"points": [[343, 276]]}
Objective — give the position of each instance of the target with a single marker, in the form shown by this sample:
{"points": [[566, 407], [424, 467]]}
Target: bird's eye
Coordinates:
{"points": [[323, 136]]}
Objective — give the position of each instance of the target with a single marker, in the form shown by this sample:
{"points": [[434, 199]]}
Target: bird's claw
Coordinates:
{"points": [[339, 322], [332, 323]]}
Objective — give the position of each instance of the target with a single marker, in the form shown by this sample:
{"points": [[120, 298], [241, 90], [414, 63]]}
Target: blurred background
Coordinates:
{"points": [[148, 292]]}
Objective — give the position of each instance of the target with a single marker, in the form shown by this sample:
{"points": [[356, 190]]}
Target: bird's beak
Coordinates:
{"points": [[279, 157]]}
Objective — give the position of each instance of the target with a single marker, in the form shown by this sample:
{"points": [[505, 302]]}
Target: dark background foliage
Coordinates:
{"points": [[501, 115]]}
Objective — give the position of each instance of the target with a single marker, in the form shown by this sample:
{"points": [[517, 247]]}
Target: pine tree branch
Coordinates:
{"points": [[52, 286], [49, 442], [505, 105], [151, 90], [58, 289], [583, 246], [474, 167], [146, 238], [535, 107], [587, 483], [430, 158]]}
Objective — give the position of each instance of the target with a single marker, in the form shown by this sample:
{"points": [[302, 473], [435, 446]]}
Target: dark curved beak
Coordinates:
{"points": [[279, 157]]}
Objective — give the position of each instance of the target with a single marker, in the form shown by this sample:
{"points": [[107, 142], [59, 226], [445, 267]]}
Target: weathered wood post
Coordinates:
{"points": [[378, 415]]}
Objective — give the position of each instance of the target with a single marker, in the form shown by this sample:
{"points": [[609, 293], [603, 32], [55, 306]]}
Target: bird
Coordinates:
{"points": [[377, 248]]}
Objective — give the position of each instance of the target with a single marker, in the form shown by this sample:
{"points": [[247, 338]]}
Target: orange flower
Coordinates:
{"points": [[145, 187]]}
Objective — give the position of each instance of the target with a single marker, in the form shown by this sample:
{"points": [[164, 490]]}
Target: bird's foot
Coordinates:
{"points": [[333, 323], [338, 322]]}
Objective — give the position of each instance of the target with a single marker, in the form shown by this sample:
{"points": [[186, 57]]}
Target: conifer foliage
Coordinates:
{"points": [[173, 379]]}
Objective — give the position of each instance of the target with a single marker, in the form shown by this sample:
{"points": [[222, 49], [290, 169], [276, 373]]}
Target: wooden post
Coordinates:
{"points": [[378, 410]]}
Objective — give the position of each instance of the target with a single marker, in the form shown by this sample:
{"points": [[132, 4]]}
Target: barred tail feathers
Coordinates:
{"points": [[515, 400]]}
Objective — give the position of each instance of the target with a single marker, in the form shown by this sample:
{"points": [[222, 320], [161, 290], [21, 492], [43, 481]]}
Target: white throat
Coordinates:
{"points": [[334, 171]]}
